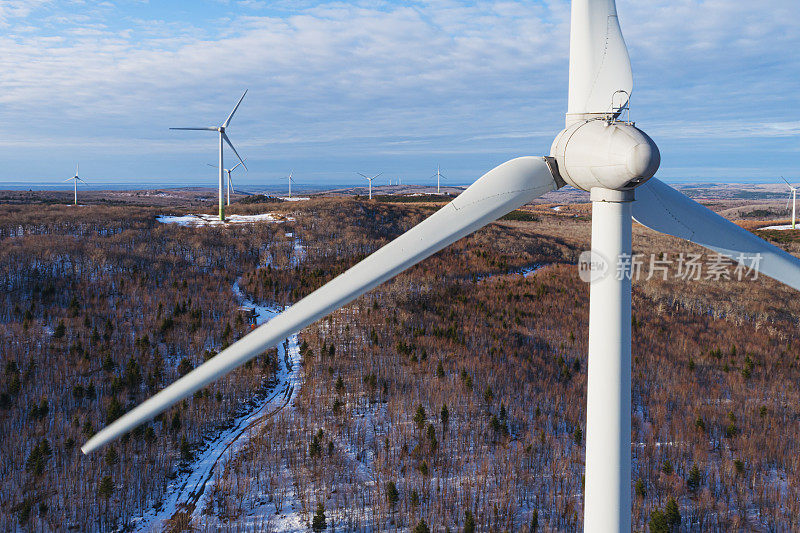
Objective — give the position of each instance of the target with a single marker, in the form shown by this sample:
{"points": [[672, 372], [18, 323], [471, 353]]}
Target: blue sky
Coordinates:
{"points": [[379, 86]]}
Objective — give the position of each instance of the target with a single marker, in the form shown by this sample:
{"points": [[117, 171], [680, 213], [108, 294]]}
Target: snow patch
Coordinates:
{"points": [[213, 220], [778, 228]]}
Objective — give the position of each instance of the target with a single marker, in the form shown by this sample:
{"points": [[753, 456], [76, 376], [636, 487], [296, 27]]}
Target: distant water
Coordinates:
{"points": [[171, 184], [280, 189], [179, 184]]}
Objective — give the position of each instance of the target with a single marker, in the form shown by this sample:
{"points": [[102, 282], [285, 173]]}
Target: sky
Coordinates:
{"points": [[336, 88]]}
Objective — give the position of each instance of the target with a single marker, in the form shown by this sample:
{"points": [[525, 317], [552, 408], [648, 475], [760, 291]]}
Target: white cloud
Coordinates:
{"points": [[427, 76]]}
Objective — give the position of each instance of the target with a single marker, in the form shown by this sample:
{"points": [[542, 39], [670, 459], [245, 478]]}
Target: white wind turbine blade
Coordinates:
{"points": [[195, 129], [69, 179], [227, 140], [787, 183], [228, 120], [660, 207], [77, 166], [81, 180], [500, 191], [237, 164], [212, 166], [230, 181], [600, 77], [363, 176]]}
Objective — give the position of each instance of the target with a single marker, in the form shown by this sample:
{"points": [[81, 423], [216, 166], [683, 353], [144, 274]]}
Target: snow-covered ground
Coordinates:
{"points": [[524, 272], [213, 220], [188, 490], [778, 228], [292, 199]]}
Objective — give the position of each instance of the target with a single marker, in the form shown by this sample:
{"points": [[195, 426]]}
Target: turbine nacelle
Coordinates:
{"points": [[605, 153]]}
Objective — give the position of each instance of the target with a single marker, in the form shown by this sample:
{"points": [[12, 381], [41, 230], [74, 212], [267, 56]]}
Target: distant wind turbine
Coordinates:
{"points": [[230, 181], [290, 180], [439, 176], [370, 182], [75, 179], [222, 137], [793, 199]]}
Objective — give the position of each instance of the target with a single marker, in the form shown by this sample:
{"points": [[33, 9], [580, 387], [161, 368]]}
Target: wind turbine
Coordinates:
{"points": [[793, 198], [290, 180], [370, 182], [438, 177], [230, 181], [222, 137], [75, 179], [613, 160]]}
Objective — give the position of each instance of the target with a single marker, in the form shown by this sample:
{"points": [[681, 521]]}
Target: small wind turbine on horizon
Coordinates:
{"points": [[290, 180], [439, 176], [222, 137], [793, 199], [75, 179], [370, 182], [230, 181]]}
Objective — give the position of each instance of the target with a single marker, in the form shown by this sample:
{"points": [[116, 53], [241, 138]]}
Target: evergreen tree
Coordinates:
{"points": [[186, 450], [392, 495], [59, 331], [672, 513], [445, 417], [432, 442], [534, 521], [106, 488], [488, 395], [694, 480], [112, 457], [469, 522], [422, 527], [641, 489], [318, 523], [658, 522], [419, 418]]}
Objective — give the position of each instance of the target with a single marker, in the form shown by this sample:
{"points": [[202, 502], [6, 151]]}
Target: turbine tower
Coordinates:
{"points": [[75, 179], [438, 177], [613, 160], [793, 199], [370, 182], [290, 180], [230, 181], [222, 137]]}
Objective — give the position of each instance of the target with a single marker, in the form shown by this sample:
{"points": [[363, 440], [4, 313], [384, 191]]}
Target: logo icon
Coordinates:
{"points": [[592, 266]]}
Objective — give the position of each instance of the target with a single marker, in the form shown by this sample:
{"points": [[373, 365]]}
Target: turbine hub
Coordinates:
{"points": [[605, 153]]}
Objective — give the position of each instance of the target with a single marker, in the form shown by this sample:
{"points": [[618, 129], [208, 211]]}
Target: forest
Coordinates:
{"points": [[451, 398]]}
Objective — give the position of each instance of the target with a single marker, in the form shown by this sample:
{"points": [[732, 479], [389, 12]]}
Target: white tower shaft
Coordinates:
{"points": [[221, 170], [75, 182], [229, 187], [794, 208], [607, 506]]}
